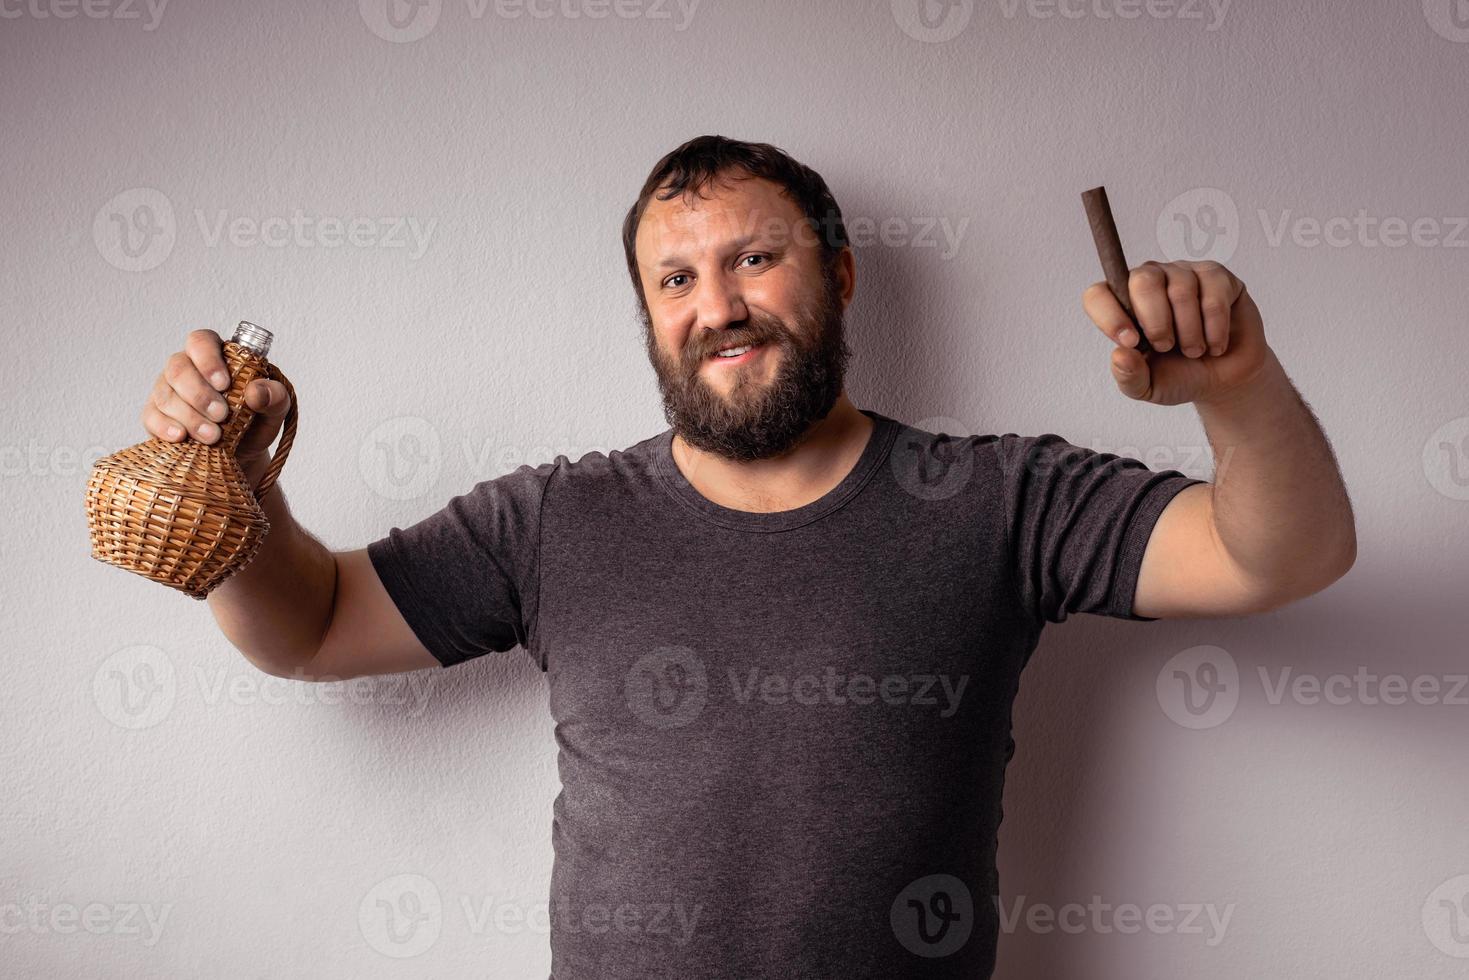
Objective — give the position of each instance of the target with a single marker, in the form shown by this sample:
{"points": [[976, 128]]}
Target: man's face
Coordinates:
{"points": [[741, 267]]}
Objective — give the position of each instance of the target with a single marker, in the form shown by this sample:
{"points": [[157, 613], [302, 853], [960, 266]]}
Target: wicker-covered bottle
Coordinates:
{"points": [[183, 513]]}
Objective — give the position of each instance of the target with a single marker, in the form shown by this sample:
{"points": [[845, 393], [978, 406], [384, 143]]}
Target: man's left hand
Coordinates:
{"points": [[1207, 336]]}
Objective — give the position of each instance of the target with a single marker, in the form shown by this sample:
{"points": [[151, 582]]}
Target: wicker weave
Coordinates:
{"points": [[183, 513]]}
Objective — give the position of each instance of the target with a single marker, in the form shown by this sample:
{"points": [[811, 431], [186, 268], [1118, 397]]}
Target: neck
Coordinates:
{"points": [[806, 472]]}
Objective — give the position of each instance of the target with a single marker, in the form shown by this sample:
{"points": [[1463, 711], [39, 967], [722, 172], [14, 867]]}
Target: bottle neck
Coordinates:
{"points": [[244, 366]]}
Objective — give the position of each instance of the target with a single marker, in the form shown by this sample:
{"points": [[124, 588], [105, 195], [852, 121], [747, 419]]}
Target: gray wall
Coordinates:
{"points": [[266, 822]]}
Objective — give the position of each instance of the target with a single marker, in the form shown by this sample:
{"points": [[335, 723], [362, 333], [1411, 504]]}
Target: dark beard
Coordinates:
{"points": [[755, 422]]}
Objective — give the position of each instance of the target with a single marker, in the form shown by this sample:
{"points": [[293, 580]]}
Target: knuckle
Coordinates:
{"points": [[1214, 307], [174, 367], [1182, 292]]}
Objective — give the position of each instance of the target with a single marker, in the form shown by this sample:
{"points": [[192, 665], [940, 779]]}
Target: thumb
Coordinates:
{"points": [[1132, 373], [270, 402]]}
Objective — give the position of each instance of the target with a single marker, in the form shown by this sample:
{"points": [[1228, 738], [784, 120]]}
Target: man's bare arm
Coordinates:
{"points": [[1276, 524], [297, 610]]}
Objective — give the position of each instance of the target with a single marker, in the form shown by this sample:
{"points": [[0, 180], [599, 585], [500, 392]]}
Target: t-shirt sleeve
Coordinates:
{"points": [[466, 579], [1078, 522]]}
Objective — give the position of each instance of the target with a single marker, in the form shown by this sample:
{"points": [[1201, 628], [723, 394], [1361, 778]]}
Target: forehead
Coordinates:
{"points": [[729, 210]]}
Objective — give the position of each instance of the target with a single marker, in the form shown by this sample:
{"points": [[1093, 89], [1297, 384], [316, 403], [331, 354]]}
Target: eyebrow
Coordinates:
{"points": [[676, 261]]}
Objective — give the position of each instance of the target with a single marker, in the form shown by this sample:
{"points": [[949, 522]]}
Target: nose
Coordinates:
{"points": [[719, 303]]}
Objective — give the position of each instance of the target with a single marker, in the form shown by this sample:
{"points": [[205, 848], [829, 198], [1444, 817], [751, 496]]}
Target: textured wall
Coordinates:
{"points": [[168, 811]]}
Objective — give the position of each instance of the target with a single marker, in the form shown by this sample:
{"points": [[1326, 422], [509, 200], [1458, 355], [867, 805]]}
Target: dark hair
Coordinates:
{"points": [[696, 165]]}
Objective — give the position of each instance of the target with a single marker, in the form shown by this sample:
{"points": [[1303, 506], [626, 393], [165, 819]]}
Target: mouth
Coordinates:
{"points": [[737, 353]]}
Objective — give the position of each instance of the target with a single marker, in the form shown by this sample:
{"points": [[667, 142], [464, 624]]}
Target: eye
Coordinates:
{"points": [[669, 282], [754, 255]]}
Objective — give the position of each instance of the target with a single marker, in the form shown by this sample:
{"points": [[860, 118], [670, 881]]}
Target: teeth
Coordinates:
{"points": [[733, 351]]}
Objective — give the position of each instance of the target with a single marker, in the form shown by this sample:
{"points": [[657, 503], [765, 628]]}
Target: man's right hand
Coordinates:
{"points": [[187, 402]]}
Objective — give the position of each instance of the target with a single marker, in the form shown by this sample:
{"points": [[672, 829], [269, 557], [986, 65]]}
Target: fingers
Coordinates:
{"points": [[1132, 373], [1101, 305], [1147, 286], [206, 350], [175, 408], [1218, 291], [1185, 304], [187, 399], [267, 398], [1183, 300]]}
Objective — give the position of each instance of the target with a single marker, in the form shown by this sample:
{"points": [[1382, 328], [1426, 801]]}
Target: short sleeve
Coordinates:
{"points": [[466, 579], [1078, 522]]}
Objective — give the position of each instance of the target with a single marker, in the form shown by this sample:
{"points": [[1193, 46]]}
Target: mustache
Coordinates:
{"points": [[753, 332]]}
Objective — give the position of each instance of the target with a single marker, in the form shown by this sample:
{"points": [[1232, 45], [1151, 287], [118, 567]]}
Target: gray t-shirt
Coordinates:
{"points": [[782, 736]]}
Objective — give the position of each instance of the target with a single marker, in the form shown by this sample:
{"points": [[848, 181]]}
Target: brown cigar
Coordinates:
{"points": [[1109, 250]]}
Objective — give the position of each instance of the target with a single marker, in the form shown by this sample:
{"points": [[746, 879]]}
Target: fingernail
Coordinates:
{"points": [[217, 411], [220, 380], [1216, 350], [208, 431], [1127, 336], [1193, 352], [174, 432]]}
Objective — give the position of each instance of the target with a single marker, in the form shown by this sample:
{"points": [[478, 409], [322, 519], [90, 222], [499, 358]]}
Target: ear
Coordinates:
{"points": [[846, 275]]}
